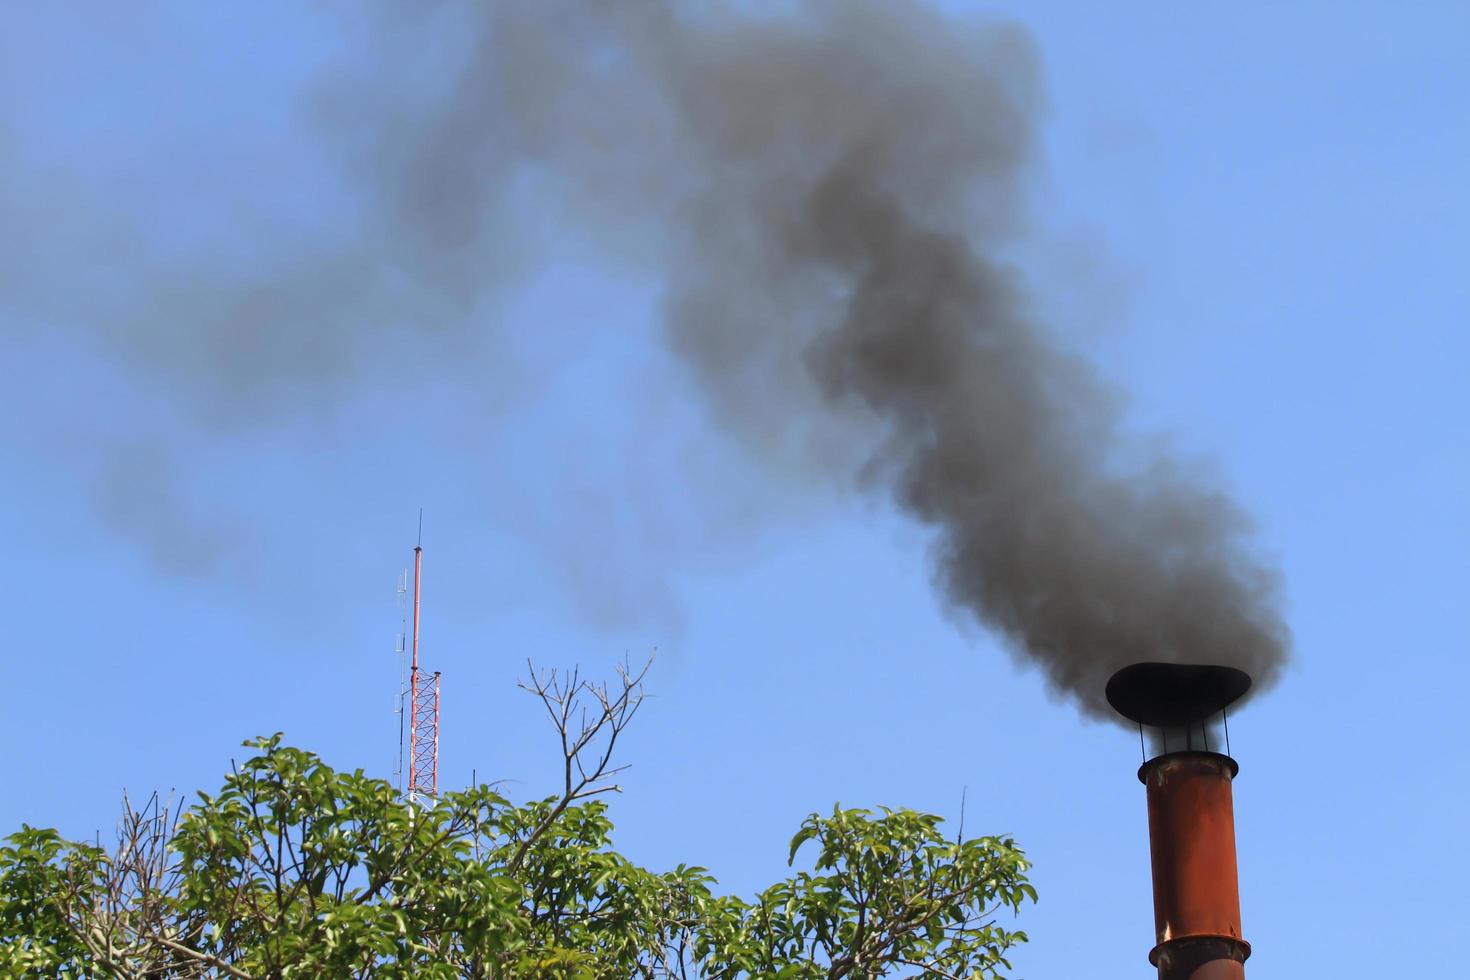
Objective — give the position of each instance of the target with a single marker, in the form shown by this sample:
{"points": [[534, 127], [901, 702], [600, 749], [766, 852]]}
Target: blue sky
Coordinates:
{"points": [[1253, 218]]}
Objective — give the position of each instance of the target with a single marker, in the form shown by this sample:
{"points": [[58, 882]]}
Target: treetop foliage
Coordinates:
{"points": [[294, 869]]}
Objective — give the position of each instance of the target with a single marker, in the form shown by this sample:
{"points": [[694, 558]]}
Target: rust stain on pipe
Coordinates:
{"points": [[1191, 829]]}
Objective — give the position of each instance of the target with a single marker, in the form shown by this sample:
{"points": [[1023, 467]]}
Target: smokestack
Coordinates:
{"points": [[1191, 816]]}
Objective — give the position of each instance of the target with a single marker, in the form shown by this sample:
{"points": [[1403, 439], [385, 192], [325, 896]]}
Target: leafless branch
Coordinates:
{"points": [[588, 718]]}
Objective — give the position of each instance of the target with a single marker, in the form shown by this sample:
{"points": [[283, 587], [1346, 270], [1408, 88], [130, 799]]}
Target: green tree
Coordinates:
{"points": [[296, 870]]}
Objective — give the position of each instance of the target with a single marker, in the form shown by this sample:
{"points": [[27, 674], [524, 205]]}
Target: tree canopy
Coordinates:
{"points": [[294, 869]]}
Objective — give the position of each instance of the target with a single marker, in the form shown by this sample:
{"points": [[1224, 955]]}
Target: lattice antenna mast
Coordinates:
{"points": [[423, 702]]}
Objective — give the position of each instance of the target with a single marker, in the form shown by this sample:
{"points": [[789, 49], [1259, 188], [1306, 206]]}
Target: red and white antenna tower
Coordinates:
{"points": [[423, 702]]}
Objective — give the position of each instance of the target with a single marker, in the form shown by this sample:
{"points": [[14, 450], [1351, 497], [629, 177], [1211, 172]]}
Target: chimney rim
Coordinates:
{"points": [[1154, 762]]}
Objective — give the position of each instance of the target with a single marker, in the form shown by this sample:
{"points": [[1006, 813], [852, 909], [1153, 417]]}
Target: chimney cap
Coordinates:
{"points": [[1175, 695]]}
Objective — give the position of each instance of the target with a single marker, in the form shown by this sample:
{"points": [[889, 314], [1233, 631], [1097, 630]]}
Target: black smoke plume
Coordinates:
{"points": [[829, 192]]}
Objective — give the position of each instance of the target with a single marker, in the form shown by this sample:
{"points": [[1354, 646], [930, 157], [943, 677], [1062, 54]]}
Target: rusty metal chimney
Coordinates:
{"points": [[1180, 713]]}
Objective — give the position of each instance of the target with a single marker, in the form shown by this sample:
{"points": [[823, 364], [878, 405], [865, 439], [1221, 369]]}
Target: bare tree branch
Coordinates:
{"points": [[587, 747]]}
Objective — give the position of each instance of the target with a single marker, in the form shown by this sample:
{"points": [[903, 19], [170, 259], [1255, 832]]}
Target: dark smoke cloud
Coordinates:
{"points": [[837, 189], [829, 191]]}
